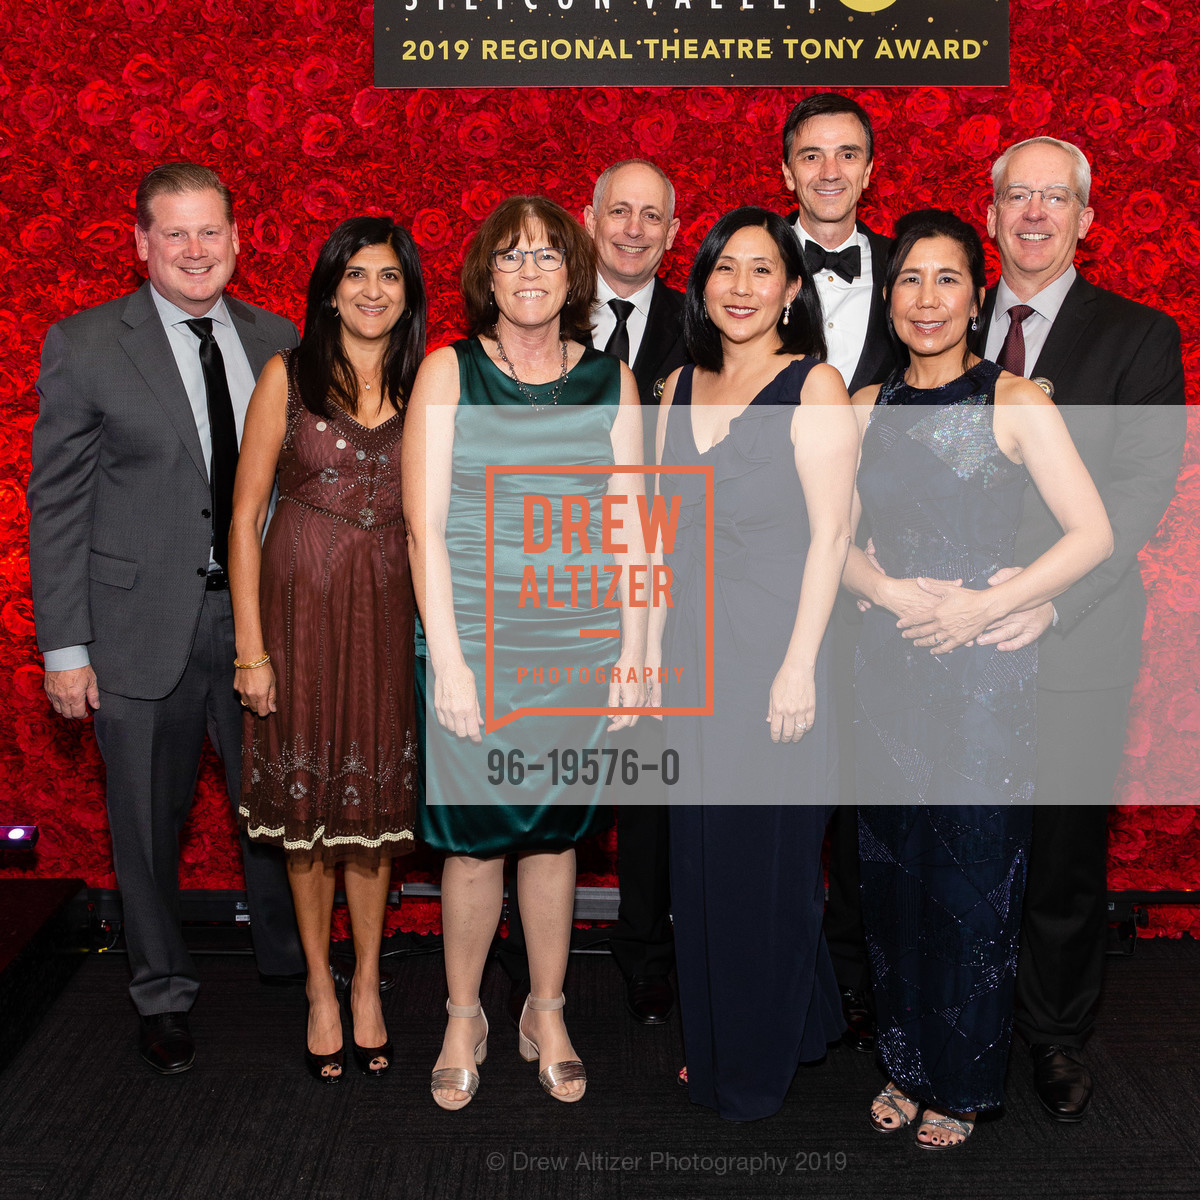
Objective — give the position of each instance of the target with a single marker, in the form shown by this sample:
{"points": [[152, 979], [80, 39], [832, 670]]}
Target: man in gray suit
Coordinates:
{"points": [[142, 402]]}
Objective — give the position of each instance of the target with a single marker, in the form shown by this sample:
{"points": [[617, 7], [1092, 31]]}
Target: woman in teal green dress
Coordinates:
{"points": [[511, 616]]}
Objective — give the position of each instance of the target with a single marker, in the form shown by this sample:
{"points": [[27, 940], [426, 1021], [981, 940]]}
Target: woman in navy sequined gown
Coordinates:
{"points": [[756, 987], [945, 718]]}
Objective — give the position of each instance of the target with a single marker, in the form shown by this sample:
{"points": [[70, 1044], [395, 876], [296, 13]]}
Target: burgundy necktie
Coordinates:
{"points": [[1012, 353]]}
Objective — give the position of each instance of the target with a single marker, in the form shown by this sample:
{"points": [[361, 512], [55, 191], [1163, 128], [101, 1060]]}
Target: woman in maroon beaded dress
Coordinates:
{"points": [[323, 610]]}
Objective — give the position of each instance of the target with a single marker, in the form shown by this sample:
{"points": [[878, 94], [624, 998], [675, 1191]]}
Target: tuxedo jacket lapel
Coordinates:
{"points": [[145, 341], [878, 354], [657, 343], [1068, 328]]}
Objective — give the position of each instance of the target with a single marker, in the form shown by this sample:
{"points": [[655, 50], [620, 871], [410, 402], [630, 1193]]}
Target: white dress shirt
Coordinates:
{"points": [[604, 319], [1036, 327], [846, 306], [185, 346]]}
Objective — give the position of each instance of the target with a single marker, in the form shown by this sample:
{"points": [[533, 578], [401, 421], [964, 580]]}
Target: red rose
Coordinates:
{"points": [[150, 129], [601, 105], [928, 106], [28, 684], [481, 134], [17, 617], [1144, 211], [1155, 85], [979, 136], [765, 114], [1103, 116], [879, 106], [653, 132], [144, 11], [426, 110], [1030, 109], [266, 107], [431, 229], [1147, 17], [144, 75], [369, 105], [1187, 244], [103, 238], [42, 234], [480, 197], [326, 200], [322, 135], [39, 106], [709, 103], [1154, 140], [529, 107], [99, 103], [315, 74], [271, 235], [203, 103]]}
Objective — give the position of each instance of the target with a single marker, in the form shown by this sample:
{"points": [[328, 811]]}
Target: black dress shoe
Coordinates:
{"points": [[1063, 1084], [518, 993], [649, 998], [860, 1021], [165, 1042], [343, 972]]}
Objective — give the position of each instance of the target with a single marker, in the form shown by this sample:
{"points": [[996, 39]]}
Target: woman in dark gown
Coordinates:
{"points": [[522, 390], [324, 613], [946, 725], [757, 991]]}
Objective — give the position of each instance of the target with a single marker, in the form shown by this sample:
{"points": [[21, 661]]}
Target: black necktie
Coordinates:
{"points": [[618, 344], [223, 432], [847, 263], [1012, 353]]}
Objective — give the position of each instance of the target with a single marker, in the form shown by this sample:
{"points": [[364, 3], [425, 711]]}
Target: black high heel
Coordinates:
{"points": [[316, 1064], [365, 1055]]}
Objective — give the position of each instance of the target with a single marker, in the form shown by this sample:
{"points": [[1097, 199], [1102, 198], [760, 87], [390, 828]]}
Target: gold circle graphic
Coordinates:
{"points": [[868, 5]]}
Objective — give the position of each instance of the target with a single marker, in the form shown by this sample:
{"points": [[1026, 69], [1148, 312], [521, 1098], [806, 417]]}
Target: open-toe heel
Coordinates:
{"points": [[459, 1079], [557, 1073], [364, 1056]]}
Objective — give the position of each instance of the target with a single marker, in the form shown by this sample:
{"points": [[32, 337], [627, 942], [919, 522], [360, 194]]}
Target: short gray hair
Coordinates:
{"points": [[1083, 169], [606, 178]]}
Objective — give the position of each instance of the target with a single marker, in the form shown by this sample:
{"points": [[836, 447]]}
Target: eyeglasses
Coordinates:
{"points": [[1054, 198], [548, 258]]}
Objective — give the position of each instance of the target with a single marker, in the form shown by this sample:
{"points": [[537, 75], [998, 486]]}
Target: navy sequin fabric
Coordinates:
{"points": [[945, 751]]}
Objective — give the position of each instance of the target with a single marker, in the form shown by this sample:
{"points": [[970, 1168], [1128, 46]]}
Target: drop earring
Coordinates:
{"points": [[787, 312], [974, 324]]}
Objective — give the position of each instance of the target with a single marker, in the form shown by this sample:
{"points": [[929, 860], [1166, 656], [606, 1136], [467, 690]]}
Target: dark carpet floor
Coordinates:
{"points": [[82, 1119]]}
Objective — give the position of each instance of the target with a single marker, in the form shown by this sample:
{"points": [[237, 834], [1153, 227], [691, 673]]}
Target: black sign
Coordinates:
{"points": [[669, 43]]}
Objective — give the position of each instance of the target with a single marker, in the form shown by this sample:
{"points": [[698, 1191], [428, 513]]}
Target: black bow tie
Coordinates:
{"points": [[846, 263]]}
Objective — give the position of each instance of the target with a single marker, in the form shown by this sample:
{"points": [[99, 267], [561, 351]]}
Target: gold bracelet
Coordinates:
{"points": [[260, 662]]}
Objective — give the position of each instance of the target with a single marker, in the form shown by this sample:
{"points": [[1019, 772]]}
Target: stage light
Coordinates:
{"points": [[18, 836]]}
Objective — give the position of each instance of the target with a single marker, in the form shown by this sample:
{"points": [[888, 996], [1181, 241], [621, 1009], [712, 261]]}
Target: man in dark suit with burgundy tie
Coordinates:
{"points": [[1114, 368], [828, 157], [638, 319], [130, 498]]}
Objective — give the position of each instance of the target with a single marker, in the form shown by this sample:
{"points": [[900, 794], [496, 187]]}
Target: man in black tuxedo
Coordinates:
{"points": [[1114, 368], [130, 497], [638, 319], [828, 156]]}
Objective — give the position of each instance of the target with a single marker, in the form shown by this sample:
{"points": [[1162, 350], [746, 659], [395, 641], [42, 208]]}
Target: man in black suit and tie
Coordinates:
{"points": [[130, 497], [828, 157], [1114, 368], [638, 319]]}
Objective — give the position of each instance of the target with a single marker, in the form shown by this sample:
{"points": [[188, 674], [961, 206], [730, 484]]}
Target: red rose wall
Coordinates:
{"points": [[278, 98]]}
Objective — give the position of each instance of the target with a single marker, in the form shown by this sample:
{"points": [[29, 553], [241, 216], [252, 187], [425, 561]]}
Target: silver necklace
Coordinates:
{"points": [[521, 387]]}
